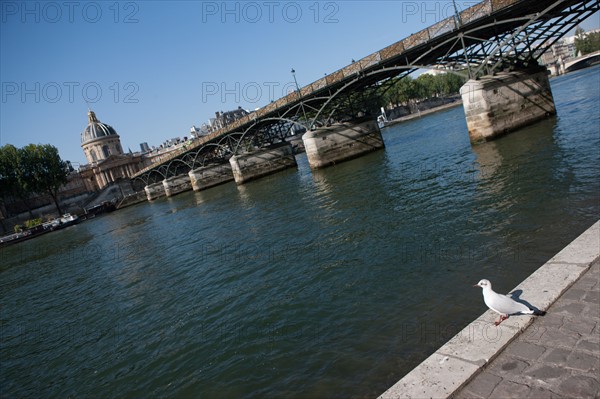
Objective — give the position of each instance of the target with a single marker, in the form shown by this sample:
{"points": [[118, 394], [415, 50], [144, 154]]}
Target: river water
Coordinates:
{"points": [[327, 284]]}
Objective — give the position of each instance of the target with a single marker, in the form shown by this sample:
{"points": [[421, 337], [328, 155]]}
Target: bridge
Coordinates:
{"points": [[496, 44], [582, 62]]}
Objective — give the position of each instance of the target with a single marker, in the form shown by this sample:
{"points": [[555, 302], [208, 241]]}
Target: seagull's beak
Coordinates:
{"points": [[476, 285]]}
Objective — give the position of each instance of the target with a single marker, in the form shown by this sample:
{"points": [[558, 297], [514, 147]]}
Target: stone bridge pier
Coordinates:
{"points": [[496, 105], [210, 176], [154, 191], [341, 141], [177, 184], [250, 166]]}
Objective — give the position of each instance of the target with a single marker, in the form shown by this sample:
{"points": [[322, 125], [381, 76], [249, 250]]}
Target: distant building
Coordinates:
{"points": [[99, 140], [561, 52], [435, 72], [212, 123], [106, 160], [223, 119], [194, 132], [165, 149], [144, 148]]}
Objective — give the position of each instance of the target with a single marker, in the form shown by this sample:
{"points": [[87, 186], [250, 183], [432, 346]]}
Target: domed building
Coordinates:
{"points": [[99, 140], [107, 162]]}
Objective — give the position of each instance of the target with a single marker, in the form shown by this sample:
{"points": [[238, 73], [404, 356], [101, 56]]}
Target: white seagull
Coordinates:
{"points": [[503, 304]]}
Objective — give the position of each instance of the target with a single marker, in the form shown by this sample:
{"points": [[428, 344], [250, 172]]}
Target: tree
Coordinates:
{"points": [[44, 171], [8, 178], [12, 179], [425, 86], [586, 43], [454, 83], [400, 92], [407, 90]]}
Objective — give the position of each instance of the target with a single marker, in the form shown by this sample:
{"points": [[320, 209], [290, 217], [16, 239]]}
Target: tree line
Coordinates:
{"points": [[406, 90], [33, 169], [586, 43]]}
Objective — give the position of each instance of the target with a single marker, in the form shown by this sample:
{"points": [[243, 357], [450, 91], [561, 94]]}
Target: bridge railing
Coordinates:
{"points": [[480, 10], [442, 27]]}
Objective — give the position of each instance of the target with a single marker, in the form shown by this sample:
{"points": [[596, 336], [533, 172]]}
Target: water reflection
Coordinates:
{"points": [[488, 160], [200, 197], [244, 195], [323, 191]]}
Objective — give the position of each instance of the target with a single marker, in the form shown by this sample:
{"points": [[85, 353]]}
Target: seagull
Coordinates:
{"points": [[503, 304]]}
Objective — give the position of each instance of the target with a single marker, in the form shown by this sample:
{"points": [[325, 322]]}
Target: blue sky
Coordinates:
{"points": [[152, 69]]}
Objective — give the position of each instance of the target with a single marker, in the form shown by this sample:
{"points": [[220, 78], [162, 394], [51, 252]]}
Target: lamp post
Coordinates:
{"points": [[457, 15], [299, 95], [294, 75]]}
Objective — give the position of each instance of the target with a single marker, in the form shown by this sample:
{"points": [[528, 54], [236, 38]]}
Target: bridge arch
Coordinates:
{"points": [[408, 69], [203, 154], [143, 179], [229, 141], [146, 177], [278, 119], [174, 163]]}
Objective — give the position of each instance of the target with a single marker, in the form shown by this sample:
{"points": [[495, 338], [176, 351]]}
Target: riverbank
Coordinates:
{"points": [[55, 224], [558, 355], [420, 114], [473, 350]]}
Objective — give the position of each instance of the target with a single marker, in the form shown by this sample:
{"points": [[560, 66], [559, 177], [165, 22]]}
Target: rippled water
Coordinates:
{"points": [[326, 284]]}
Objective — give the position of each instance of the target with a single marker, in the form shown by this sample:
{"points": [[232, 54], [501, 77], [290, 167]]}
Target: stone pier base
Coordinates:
{"points": [[177, 184], [210, 176], [496, 105], [264, 162], [340, 142], [154, 191]]}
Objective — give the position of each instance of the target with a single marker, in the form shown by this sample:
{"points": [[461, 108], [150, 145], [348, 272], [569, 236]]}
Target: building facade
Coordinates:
{"points": [[223, 119], [107, 162], [563, 51]]}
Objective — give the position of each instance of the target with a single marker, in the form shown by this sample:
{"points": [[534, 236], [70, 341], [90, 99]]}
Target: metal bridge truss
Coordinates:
{"points": [[260, 135], [515, 42], [507, 44], [489, 37]]}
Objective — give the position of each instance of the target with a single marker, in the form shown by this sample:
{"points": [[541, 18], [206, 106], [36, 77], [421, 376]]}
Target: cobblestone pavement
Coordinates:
{"points": [[557, 356]]}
